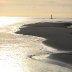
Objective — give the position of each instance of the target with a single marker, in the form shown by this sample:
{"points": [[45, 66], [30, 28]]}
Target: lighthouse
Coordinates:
{"points": [[51, 17]]}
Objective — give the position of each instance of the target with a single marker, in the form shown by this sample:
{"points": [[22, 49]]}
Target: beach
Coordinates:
{"points": [[36, 47], [57, 35]]}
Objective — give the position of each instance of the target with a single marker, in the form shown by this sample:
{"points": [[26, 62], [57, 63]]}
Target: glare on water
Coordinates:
{"points": [[11, 20], [16, 51]]}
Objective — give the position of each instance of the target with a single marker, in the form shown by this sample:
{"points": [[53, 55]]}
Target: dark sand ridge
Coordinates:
{"points": [[57, 36]]}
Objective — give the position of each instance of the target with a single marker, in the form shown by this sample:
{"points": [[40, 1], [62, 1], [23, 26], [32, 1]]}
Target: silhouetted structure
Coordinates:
{"points": [[51, 16]]}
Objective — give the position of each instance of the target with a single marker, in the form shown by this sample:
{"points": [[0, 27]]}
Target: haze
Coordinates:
{"points": [[36, 8]]}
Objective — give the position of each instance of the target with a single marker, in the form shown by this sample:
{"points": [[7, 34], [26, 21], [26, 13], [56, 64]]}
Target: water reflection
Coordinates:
{"points": [[15, 52]]}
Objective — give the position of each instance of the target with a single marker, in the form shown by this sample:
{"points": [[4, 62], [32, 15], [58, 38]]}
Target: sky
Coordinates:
{"points": [[36, 8]]}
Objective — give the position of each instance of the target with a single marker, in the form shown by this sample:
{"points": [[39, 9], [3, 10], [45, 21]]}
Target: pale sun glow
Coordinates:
{"points": [[8, 66], [10, 20]]}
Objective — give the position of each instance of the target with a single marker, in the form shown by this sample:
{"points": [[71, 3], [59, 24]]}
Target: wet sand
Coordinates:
{"points": [[57, 35]]}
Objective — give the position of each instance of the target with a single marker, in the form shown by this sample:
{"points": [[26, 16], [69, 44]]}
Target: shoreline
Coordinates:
{"points": [[57, 36]]}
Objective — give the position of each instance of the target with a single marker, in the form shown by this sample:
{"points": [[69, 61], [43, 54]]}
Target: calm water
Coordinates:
{"points": [[26, 53]]}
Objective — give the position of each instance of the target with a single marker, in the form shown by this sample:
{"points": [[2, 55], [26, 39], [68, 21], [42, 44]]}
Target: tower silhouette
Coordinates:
{"points": [[51, 16]]}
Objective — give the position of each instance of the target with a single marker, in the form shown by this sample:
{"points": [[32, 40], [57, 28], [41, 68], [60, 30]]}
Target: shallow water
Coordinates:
{"points": [[26, 53]]}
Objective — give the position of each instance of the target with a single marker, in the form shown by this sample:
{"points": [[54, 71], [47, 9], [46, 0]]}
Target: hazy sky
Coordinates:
{"points": [[36, 8]]}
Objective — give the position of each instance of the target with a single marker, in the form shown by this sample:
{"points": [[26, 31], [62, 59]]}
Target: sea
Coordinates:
{"points": [[28, 53]]}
